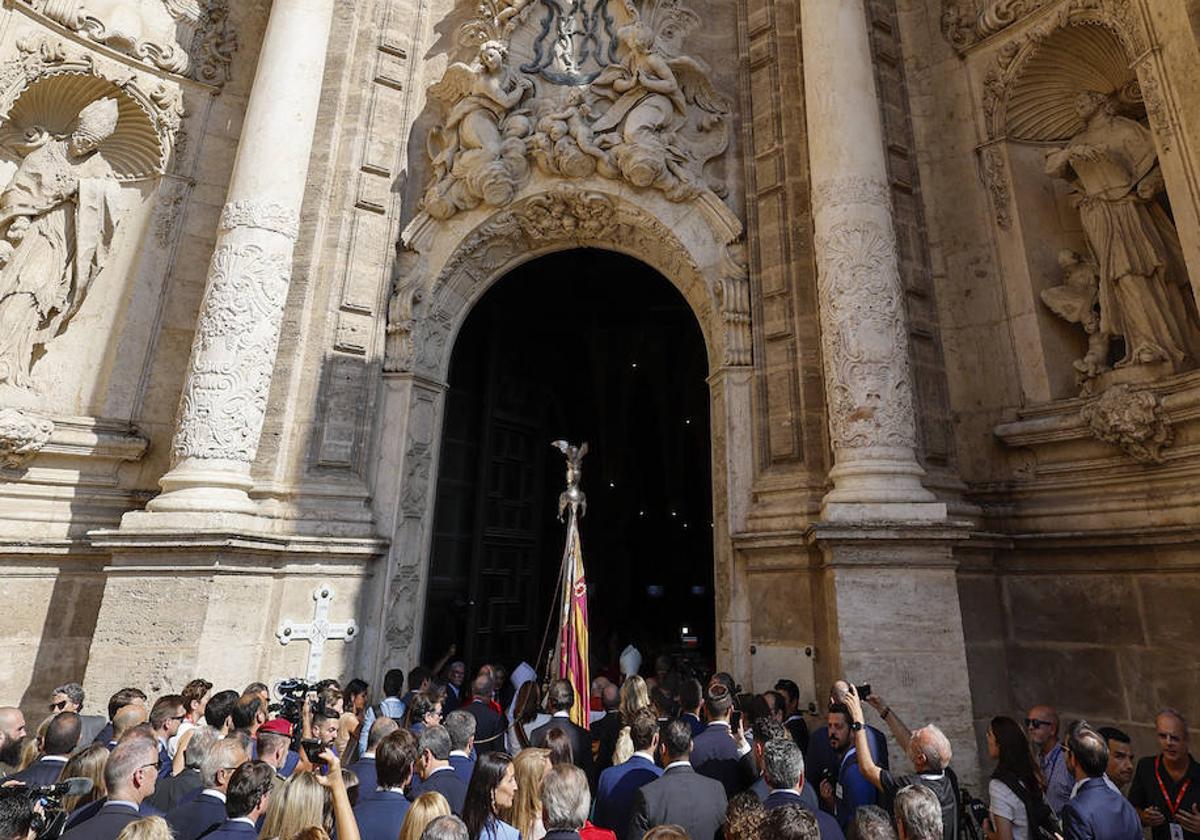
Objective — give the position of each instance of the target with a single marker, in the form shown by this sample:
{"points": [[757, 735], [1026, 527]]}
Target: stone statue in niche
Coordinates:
{"points": [[1077, 300], [1143, 292], [57, 219], [479, 153]]}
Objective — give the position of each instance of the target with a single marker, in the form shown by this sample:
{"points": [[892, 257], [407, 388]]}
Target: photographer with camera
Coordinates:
{"points": [[819, 756], [929, 751], [843, 788]]}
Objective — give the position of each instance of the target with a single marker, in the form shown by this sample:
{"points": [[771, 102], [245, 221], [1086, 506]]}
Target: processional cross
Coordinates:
{"points": [[318, 631]]}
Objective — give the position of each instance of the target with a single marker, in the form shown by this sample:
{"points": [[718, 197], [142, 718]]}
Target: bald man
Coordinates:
{"points": [[12, 731], [126, 719], [1041, 725]]}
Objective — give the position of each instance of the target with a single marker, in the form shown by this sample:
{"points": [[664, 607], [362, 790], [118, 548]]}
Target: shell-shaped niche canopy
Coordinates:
{"points": [[134, 150], [1072, 59]]}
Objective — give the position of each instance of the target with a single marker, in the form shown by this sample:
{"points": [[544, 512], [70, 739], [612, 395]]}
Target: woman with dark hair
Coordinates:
{"points": [[560, 747], [423, 711], [1016, 787], [492, 790], [527, 716]]}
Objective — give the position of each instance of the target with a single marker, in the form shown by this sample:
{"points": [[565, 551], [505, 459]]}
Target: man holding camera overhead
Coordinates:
{"points": [[928, 749]]}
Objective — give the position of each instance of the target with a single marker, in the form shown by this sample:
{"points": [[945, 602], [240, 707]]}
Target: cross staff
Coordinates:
{"points": [[317, 631]]}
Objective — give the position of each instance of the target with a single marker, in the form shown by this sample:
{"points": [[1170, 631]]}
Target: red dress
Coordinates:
{"points": [[591, 832]]}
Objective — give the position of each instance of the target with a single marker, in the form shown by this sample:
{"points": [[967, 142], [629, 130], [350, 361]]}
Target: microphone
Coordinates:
{"points": [[76, 786]]}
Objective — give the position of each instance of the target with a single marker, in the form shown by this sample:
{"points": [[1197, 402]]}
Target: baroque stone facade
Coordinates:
{"points": [[943, 255]]}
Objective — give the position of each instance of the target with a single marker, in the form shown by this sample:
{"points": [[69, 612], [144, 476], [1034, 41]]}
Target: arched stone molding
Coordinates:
{"points": [[446, 266]]}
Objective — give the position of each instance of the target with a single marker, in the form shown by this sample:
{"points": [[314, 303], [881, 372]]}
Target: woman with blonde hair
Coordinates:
{"points": [[302, 803], [635, 696], [147, 828], [425, 809], [530, 767], [88, 763]]}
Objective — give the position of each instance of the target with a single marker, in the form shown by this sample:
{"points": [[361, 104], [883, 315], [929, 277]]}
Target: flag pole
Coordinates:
{"points": [[572, 642]]}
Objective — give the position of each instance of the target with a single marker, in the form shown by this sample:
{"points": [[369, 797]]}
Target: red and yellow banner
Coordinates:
{"points": [[573, 631]]}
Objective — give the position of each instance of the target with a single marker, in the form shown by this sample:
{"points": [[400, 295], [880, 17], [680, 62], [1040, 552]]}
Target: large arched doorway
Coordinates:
{"points": [[584, 345]]}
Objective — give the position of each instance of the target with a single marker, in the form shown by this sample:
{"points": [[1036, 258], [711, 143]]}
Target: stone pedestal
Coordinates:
{"points": [[864, 341], [890, 601]]}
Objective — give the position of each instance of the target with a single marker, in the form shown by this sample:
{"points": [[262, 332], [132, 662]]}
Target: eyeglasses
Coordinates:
{"points": [[177, 717], [1170, 738], [59, 706], [1034, 723], [157, 765]]}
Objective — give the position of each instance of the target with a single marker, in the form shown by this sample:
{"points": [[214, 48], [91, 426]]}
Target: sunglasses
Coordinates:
{"points": [[1034, 723], [59, 706]]}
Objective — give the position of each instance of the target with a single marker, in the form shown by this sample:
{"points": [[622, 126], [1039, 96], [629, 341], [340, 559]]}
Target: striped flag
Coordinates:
{"points": [[573, 629]]}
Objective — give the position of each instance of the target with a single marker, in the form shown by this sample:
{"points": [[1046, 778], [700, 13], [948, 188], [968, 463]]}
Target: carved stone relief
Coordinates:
{"points": [[187, 37], [644, 114], [76, 128], [22, 435], [1133, 420]]}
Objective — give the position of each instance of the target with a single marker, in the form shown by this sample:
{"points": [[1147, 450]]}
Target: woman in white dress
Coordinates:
{"points": [[1016, 787]]}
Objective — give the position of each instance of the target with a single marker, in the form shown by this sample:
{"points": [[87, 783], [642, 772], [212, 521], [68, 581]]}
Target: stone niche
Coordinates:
{"points": [[1094, 224], [97, 106]]}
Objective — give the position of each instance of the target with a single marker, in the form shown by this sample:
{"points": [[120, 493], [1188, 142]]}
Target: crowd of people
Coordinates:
{"points": [[666, 756]]}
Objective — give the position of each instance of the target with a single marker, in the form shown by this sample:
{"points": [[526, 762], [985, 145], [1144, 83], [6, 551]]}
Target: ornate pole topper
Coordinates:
{"points": [[573, 628], [318, 631]]}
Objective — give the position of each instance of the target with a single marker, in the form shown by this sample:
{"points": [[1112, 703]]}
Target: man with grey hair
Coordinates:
{"points": [[129, 777], [192, 819], [928, 749], [175, 790], [918, 814], [434, 769], [445, 828], [566, 802], [871, 823], [461, 727], [783, 771], [69, 697]]}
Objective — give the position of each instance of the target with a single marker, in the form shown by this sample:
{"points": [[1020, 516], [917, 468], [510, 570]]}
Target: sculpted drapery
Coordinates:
{"points": [[57, 219]]}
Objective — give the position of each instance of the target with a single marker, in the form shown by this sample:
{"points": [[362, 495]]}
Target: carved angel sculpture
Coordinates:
{"points": [[1076, 300], [666, 120], [479, 153], [1144, 294], [57, 223]]}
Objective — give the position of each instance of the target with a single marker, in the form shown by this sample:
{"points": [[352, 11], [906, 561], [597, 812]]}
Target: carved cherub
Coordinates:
{"points": [[479, 153], [1076, 300], [572, 496], [564, 143]]}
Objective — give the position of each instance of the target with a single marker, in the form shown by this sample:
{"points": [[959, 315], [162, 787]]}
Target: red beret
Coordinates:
{"points": [[277, 725]]}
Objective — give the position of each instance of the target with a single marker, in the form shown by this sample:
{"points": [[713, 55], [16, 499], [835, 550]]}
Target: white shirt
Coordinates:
{"points": [[439, 769], [246, 820], [684, 763], [460, 753], [58, 759], [214, 792], [370, 754], [561, 714], [173, 743], [1006, 804], [132, 805], [646, 755]]}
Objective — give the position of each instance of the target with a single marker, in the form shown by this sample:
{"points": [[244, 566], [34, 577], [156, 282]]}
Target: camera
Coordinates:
{"points": [[291, 694], [864, 691]]}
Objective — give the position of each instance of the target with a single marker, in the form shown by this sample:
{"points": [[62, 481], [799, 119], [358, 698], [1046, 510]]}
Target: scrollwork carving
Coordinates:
{"points": [[233, 354], [22, 435], [1133, 420], [864, 337], [185, 37], [264, 215]]}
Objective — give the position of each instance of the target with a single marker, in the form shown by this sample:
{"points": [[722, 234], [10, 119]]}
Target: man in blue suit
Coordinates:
{"points": [[381, 816], [783, 769], [129, 775], [435, 771], [246, 800], [364, 768], [461, 727], [165, 717], [618, 784], [714, 752], [1096, 810], [62, 733], [207, 811]]}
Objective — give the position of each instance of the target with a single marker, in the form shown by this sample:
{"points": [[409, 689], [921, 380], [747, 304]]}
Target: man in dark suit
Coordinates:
{"points": [[456, 673], [246, 801], [461, 727], [618, 784], [792, 719], [607, 729], [691, 695], [560, 699], [365, 767], [767, 729], [165, 717], [489, 725], [783, 769], [714, 752], [173, 791], [381, 816], [435, 771], [62, 733], [69, 697], [191, 819], [121, 699], [682, 796], [1096, 810], [129, 776]]}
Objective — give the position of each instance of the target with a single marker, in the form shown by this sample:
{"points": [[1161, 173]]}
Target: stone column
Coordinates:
{"points": [[868, 382], [233, 355]]}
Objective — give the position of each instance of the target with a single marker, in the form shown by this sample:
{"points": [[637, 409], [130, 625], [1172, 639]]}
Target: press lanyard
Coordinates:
{"points": [[1172, 807]]}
